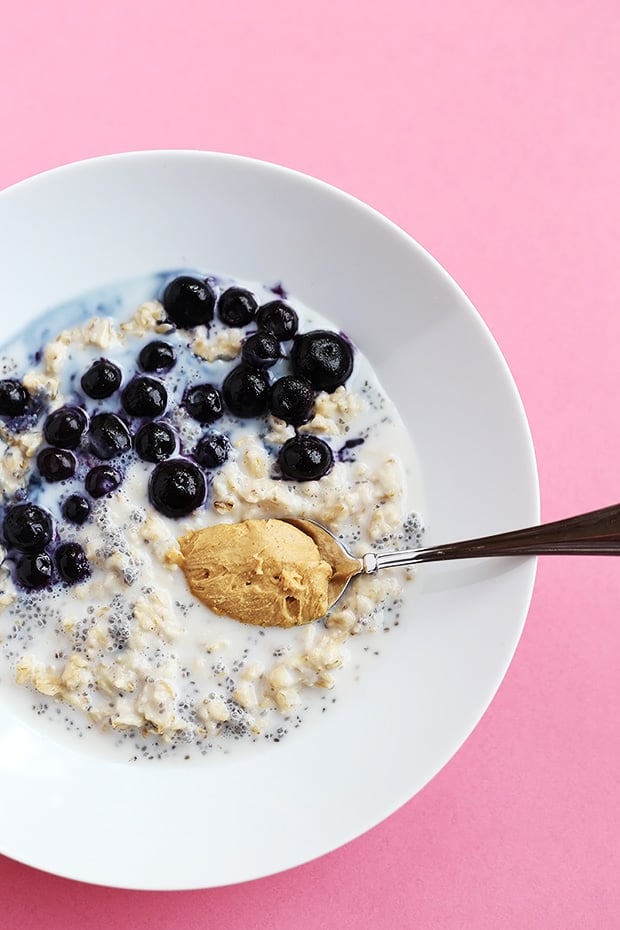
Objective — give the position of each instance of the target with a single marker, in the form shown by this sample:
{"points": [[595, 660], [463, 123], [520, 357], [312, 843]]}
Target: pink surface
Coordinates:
{"points": [[490, 132]]}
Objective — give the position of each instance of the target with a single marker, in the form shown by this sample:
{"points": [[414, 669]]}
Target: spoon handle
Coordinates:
{"points": [[594, 533]]}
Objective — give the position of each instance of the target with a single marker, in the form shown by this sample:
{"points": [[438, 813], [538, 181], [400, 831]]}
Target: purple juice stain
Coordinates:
{"points": [[344, 454], [279, 290]]}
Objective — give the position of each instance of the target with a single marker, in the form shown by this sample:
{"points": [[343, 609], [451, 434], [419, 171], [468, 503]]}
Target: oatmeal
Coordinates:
{"points": [[140, 419]]}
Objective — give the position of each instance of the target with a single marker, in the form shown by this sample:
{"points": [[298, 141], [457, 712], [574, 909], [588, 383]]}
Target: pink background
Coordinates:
{"points": [[489, 131]]}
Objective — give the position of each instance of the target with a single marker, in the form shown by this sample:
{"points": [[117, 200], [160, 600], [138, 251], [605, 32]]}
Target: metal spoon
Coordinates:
{"points": [[594, 533]]}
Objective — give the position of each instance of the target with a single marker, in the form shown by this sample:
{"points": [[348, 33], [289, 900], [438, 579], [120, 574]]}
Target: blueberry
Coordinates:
{"points": [[176, 487], [34, 570], [203, 402], [56, 464], [102, 379], [27, 527], [108, 436], [102, 480], [261, 349], [188, 302], [212, 450], [154, 442], [323, 357], [72, 563], [236, 306], [292, 399], [76, 509], [14, 398], [246, 391], [144, 397], [156, 356], [305, 458], [279, 318], [64, 427]]}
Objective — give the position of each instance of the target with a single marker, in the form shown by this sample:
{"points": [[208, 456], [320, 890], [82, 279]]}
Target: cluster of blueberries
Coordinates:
{"points": [[320, 360]]}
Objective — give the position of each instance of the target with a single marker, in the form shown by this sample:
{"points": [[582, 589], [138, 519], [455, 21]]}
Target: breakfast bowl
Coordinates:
{"points": [[102, 792]]}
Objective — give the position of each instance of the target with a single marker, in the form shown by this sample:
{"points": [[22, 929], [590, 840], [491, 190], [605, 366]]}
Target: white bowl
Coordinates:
{"points": [[172, 827]]}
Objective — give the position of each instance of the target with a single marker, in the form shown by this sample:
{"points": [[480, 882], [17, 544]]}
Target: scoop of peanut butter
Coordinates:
{"points": [[264, 572]]}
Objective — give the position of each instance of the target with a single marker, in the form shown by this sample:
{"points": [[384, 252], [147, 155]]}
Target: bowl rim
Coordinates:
{"points": [[68, 168]]}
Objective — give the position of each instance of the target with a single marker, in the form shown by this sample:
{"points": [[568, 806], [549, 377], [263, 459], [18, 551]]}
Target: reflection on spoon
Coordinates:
{"points": [[289, 572]]}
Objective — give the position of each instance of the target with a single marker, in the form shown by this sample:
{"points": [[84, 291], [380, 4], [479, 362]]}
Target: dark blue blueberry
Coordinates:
{"points": [[246, 391], [157, 356], [34, 570], [72, 563], [176, 487], [76, 509], [144, 397], [236, 306], [203, 402], [154, 442], [188, 302], [279, 318], [108, 436], [323, 357], [102, 379], [261, 349], [102, 480], [56, 464], [305, 458], [64, 427], [212, 450], [14, 398], [27, 527], [292, 399]]}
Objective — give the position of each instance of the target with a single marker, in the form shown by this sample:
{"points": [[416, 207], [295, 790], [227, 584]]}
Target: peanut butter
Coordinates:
{"points": [[263, 572]]}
